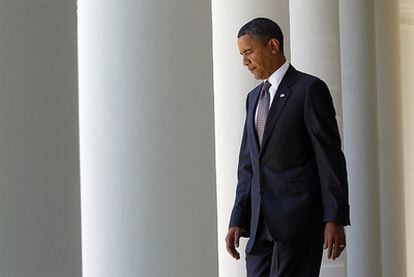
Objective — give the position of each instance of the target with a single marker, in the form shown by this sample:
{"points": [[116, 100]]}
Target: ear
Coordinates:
{"points": [[275, 44]]}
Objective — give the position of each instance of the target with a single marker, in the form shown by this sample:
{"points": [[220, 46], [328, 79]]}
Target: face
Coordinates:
{"points": [[260, 59]]}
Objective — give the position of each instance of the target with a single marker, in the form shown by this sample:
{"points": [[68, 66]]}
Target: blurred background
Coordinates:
{"points": [[121, 121]]}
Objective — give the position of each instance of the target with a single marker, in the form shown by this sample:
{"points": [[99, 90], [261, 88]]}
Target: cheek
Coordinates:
{"points": [[253, 59], [258, 62]]}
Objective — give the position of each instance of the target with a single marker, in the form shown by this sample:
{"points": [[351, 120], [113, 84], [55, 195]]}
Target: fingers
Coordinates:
{"points": [[338, 245], [231, 239], [336, 251], [335, 240], [232, 251], [329, 245], [236, 237], [334, 248], [338, 248]]}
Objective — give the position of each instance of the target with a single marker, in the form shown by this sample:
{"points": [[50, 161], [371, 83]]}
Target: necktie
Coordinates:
{"points": [[263, 110]]}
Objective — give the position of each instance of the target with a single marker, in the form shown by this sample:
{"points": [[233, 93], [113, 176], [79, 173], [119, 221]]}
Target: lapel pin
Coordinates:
{"points": [[282, 95]]}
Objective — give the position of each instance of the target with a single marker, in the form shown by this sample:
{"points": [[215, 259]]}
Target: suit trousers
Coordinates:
{"points": [[270, 258]]}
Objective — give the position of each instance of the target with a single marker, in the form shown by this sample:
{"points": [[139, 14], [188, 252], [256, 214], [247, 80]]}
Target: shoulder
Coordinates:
{"points": [[307, 81], [315, 93], [312, 90]]}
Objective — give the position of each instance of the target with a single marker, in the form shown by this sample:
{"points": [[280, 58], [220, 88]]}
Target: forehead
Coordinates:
{"points": [[245, 42]]}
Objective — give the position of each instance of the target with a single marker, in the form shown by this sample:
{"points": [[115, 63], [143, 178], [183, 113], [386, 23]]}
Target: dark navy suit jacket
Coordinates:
{"points": [[299, 175]]}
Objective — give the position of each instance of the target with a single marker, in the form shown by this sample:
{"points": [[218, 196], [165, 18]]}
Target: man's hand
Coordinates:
{"points": [[335, 240], [232, 241]]}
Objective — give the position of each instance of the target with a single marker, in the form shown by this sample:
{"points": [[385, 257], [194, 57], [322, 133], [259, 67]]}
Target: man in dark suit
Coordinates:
{"points": [[292, 192]]}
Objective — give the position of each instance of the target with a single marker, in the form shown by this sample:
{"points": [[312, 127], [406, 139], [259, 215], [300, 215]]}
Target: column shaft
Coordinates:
{"points": [[390, 138], [147, 138], [40, 232], [315, 48], [406, 15], [357, 25]]}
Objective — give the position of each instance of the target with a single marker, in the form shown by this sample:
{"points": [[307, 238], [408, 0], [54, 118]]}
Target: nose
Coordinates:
{"points": [[246, 61]]}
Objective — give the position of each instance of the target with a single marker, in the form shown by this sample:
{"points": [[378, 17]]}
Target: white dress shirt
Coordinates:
{"points": [[274, 80]]}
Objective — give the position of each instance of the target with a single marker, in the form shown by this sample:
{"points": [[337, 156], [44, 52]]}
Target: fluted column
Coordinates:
{"points": [[147, 138], [40, 232], [232, 82], [390, 138], [406, 15], [359, 102], [315, 48]]}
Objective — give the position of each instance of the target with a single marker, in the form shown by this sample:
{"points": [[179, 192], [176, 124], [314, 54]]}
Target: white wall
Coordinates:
{"points": [[40, 233]]}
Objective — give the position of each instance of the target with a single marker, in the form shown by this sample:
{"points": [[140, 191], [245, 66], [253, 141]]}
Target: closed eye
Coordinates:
{"points": [[247, 51]]}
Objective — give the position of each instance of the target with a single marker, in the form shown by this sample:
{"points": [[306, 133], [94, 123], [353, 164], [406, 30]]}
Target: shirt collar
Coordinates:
{"points": [[277, 76]]}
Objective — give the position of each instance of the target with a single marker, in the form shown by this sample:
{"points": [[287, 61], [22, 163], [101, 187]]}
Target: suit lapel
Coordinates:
{"points": [[279, 101]]}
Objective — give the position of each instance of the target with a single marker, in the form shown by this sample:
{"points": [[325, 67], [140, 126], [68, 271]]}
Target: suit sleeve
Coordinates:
{"points": [[323, 130], [241, 212]]}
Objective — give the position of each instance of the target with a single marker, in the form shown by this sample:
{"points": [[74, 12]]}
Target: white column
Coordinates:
{"points": [[232, 82], [390, 138], [359, 102], [147, 138], [40, 232], [406, 15], [315, 48]]}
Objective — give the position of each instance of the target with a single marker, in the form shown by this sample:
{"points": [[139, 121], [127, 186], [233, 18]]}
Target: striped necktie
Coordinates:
{"points": [[263, 110]]}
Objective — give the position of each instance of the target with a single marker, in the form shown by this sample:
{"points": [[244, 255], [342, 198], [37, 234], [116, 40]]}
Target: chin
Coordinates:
{"points": [[257, 77]]}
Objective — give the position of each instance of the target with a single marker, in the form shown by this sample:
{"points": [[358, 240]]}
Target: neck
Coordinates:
{"points": [[277, 65]]}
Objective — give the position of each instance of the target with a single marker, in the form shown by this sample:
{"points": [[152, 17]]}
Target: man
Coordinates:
{"points": [[292, 192]]}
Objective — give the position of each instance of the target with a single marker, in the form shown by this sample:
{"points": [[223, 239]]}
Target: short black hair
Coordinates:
{"points": [[264, 29]]}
